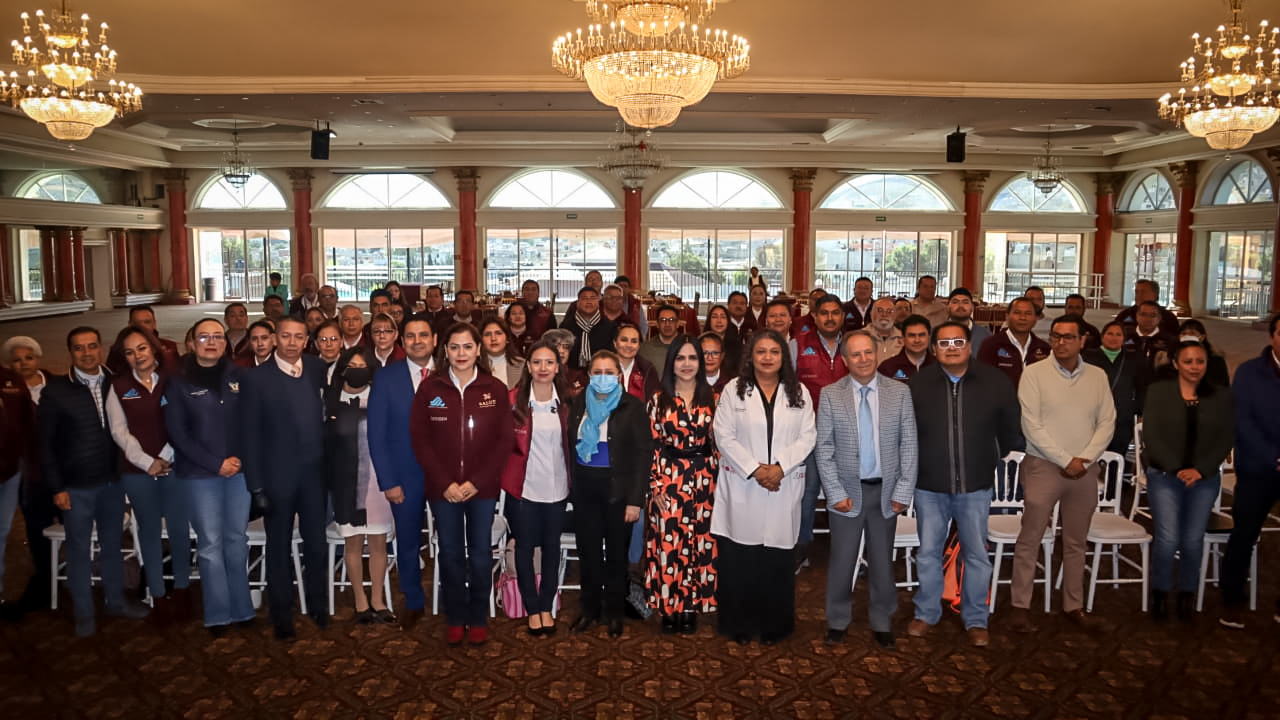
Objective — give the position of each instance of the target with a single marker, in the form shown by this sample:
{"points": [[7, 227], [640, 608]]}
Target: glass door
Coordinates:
{"points": [[1244, 267], [233, 264]]}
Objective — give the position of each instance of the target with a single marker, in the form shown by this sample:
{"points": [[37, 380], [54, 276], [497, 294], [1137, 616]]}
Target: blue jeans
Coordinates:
{"points": [[538, 524], [8, 506], [1180, 515], [466, 559], [809, 503], [934, 513], [154, 498], [103, 504], [220, 514]]}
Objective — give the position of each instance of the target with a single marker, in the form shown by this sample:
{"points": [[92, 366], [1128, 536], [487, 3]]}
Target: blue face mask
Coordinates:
{"points": [[604, 384]]}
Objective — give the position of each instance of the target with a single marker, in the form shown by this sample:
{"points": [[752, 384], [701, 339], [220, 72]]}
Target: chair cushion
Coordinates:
{"points": [[1109, 527], [1005, 528], [906, 534]]}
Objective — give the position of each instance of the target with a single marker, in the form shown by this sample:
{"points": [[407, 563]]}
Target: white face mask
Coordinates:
{"points": [[1189, 338]]}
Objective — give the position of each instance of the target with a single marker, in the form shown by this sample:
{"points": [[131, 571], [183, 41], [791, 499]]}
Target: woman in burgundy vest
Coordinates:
{"points": [[135, 413]]}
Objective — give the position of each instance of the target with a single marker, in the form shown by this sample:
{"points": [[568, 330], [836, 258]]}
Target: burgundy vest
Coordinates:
{"points": [[144, 411], [814, 367]]}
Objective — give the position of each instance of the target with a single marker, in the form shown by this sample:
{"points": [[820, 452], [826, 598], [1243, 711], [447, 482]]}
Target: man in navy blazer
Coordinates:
{"points": [[399, 475], [867, 459], [283, 454]]}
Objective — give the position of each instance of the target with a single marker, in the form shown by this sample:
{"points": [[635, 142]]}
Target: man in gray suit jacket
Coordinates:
{"points": [[867, 460]]}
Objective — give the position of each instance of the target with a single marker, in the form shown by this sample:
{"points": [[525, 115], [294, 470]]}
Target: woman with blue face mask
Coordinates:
{"points": [[612, 455]]}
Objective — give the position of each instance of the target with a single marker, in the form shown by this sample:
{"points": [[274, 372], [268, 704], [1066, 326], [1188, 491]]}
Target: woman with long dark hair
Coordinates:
{"points": [[731, 340], [360, 509], [462, 433], [135, 411], [639, 376], [611, 461], [764, 429], [1122, 366], [202, 417], [504, 358], [537, 481], [680, 554], [518, 325], [1188, 429]]}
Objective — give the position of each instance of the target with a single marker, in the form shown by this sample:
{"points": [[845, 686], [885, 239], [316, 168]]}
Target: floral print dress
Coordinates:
{"points": [[679, 550]]}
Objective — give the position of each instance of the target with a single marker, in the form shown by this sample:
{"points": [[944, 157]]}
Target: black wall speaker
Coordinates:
{"points": [[955, 147], [319, 144]]}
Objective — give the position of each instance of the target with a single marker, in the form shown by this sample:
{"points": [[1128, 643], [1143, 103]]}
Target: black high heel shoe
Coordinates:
{"points": [[688, 623], [670, 624]]}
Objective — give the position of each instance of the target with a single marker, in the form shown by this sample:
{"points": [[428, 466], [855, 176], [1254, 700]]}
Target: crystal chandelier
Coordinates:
{"points": [[1233, 86], [62, 69], [236, 168], [633, 159], [653, 60], [1047, 173]]}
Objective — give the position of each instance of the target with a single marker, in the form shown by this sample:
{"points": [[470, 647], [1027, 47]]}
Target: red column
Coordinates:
{"points": [[77, 263], [6, 269], [975, 181], [1185, 174], [302, 243], [1109, 185], [801, 237], [120, 260], [153, 241], [64, 272], [175, 189], [46, 264], [634, 265], [468, 249]]}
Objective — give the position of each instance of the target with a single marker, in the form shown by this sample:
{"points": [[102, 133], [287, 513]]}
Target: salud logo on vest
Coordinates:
{"points": [[809, 351], [438, 403], [1003, 353], [133, 394], [900, 375]]}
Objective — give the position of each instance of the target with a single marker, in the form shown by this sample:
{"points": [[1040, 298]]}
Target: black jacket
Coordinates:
{"points": [[601, 337], [342, 455], [966, 427], [76, 449], [1123, 376], [282, 426], [630, 447]]}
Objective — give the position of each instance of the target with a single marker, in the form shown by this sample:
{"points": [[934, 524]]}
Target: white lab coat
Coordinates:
{"points": [[744, 511]]}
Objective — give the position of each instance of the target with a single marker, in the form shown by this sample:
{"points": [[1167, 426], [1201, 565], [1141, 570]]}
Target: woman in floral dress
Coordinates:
{"points": [[680, 553]]}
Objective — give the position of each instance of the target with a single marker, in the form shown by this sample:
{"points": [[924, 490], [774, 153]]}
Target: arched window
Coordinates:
{"points": [[1245, 183], [258, 193], [60, 187], [1152, 193], [385, 192], [717, 189], [551, 189], [886, 192], [1021, 196]]}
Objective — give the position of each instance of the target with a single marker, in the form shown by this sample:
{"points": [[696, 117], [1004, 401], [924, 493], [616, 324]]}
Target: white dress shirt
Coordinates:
{"points": [[118, 424], [873, 399], [95, 386], [291, 369]]}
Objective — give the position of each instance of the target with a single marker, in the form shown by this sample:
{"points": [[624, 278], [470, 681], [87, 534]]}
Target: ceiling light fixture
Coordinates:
{"points": [[236, 168], [653, 60], [1047, 173], [59, 89], [1233, 88], [632, 158]]}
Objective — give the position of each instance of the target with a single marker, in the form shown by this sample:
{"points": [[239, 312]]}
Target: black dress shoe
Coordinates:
{"points": [[615, 627], [885, 640], [1186, 606], [834, 637], [742, 639], [409, 618], [320, 619], [688, 624], [582, 624], [285, 632], [249, 624], [217, 631], [548, 630], [670, 624]]}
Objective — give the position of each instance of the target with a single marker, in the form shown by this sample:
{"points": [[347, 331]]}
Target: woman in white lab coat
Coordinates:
{"points": [[764, 429]]}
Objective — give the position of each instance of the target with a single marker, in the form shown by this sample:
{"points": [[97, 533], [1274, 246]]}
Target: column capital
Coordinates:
{"points": [[1109, 183], [175, 180], [802, 179], [467, 178], [1273, 155], [301, 178], [1185, 172], [975, 180]]}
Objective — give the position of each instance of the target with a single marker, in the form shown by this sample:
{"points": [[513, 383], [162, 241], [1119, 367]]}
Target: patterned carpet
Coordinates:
{"points": [[1135, 670]]}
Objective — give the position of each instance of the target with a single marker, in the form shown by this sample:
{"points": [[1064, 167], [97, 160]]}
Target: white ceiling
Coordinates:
{"points": [[440, 81]]}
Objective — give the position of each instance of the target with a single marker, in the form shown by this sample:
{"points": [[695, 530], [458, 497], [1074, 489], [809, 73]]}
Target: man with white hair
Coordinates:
{"points": [[309, 297]]}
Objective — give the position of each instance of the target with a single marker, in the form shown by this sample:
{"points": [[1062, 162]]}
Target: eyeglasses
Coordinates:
{"points": [[956, 343], [668, 320], [1056, 338], [206, 339], [327, 338], [328, 295], [383, 331], [711, 353]]}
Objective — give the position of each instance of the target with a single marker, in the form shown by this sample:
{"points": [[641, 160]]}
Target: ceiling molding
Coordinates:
{"points": [[164, 84]]}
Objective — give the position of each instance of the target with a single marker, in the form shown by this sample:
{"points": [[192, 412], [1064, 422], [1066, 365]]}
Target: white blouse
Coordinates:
{"points": [[546, 479]]}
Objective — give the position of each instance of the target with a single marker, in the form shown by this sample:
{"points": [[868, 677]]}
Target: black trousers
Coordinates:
{"points": [[306, 500], [1254, 496], [38, 513], [756, 594], [603, 537], [537, 525]]}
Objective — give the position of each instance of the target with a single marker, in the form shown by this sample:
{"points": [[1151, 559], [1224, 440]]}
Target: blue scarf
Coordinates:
{"points": [[598, 410]]}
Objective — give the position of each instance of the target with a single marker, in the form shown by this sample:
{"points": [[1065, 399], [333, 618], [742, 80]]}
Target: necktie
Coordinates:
{"points": [[424, 374], [866, 435]]}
